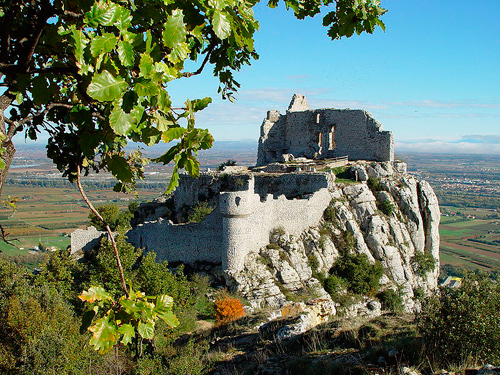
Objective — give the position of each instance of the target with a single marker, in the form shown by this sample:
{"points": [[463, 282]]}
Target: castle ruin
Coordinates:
{"points": [[322, 134], [249, 205]]}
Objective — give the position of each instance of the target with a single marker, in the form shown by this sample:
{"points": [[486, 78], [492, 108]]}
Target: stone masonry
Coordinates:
{"points": [[322, 133]]}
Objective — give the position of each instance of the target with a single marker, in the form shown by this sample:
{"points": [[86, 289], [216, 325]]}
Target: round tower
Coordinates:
{"points": [[236, 209]]}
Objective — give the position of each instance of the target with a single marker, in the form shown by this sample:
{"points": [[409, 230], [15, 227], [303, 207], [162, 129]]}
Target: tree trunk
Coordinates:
{"points": [[7, 157], [8, 132]]}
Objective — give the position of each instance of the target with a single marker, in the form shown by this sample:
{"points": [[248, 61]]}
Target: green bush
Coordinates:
{"points": [[199, 212], [227, 163], [391, 300], [423, 262], [335, 286], [462, 325], [374, 184], [386, 207], [329, 214], [115, 217], [361, 276]]}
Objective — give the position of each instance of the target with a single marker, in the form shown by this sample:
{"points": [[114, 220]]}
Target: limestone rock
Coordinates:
{"points": [[310, 315], [295, 266]]}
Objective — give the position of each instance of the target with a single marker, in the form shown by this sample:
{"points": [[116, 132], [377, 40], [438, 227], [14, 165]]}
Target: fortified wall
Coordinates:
{"points": [[321, 134], [241, 220]]}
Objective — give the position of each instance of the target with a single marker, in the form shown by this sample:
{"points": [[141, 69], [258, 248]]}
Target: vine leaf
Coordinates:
{"points": [[128, 332], [146, 330]]}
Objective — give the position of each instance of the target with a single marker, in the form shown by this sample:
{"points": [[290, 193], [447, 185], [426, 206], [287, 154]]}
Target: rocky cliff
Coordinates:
{"points": [[387, 215]]}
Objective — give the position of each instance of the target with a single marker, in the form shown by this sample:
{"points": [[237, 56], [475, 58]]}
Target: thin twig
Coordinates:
{"points": [[205, 61], [108, 229], [4, 238]]}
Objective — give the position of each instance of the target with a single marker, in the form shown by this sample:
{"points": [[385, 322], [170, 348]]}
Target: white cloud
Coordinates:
{"points": [[446, 104], [467, 144]]}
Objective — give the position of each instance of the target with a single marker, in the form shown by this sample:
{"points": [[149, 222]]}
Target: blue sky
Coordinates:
{"points": [[432, 78]]}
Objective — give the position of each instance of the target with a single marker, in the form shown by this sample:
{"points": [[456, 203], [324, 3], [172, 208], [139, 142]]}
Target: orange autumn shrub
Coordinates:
{"points": [[228, 309]]}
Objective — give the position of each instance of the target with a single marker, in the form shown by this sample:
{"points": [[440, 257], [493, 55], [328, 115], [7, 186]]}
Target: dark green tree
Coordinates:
{"points": [[94, 74]]}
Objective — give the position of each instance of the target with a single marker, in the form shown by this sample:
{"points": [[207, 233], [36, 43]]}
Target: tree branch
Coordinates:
{"points": [[4, 235], [45, 14], [205, 61], [73, 14], [108, 229], [6, 29], [14, 125], [55, 69]]}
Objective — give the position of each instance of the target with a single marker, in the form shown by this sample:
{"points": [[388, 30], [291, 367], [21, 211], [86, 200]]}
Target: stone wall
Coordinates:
{"points": [[323, 133], [249, 207], [187, 243], [242, 221]]}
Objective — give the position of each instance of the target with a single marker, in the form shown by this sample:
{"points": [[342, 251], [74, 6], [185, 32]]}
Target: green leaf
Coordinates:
{"points": [[169, 318], [145, 87], [103, 13], [146, 65], [164, 102], [104, 335], [146, 330], [120, 168], [150, 136], [169, 155], [106, 87], [41, 94], [193, 166], [119, 120], [126, 53], [174, 181], [164, 301], [123, 19], [200, 104], [19, 97], [128, 332], [221, 24], [162, 124], [80, 41], [174, 31], [95, 293], [173, 133], [103, 44], [179, 53]]}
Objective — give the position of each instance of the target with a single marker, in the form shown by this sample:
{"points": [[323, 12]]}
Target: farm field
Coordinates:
{"points": [[470, 237], [47, 215]]}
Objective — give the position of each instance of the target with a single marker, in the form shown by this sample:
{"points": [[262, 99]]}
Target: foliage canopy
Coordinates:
{"points": [[94, 74]]}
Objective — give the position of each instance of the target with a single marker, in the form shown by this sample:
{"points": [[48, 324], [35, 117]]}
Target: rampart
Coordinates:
{"points": [[242, 219], [248, 207], [322, 133]]}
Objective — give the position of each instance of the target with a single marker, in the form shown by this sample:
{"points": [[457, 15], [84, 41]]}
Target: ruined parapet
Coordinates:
{"points": [[323, 133]]}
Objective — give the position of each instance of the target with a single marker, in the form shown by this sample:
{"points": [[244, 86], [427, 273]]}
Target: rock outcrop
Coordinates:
{"points": [[389, 216]]}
